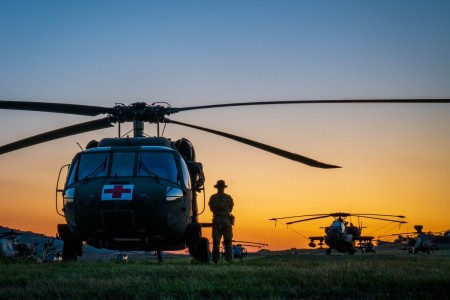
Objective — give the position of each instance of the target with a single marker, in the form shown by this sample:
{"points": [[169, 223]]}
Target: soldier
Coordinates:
{"points": [[221, 206]]}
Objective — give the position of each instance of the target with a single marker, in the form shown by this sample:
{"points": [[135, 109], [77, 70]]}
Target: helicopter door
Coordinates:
{"points": [[60, 190]]}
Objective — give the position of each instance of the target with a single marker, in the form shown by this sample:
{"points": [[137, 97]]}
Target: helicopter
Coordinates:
{"points": [[11, 247], [340, 235], [239, 250], [416, 241], [140, 193]]}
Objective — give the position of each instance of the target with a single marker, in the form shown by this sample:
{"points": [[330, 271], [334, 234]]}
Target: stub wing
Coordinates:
{"points": [[363, 239], [316, 238]]}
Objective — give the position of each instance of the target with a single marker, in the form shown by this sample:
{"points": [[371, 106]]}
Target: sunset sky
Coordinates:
{"points": [[395, 158]]}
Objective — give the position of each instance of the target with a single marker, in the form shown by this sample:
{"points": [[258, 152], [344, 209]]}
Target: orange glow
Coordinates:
{"points": [[390, 166]]}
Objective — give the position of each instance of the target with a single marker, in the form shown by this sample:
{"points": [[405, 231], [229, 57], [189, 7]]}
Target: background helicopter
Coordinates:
{"points": [[15, 244], [12, 247], [341, 235], [239, 250], [109, 183], [416, 241]]}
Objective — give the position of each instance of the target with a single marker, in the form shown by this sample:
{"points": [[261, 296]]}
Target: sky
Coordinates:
{"points": [[394, 157]]}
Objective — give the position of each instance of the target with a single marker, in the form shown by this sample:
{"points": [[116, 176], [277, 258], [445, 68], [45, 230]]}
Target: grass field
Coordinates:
{"points": [[388, 274]]}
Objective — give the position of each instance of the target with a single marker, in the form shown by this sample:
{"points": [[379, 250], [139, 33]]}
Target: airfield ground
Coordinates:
{"points": [[301, 274]]}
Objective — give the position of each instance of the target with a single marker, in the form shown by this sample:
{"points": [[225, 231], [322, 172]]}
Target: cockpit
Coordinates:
{"points": [[337, 226], [144, 161]]}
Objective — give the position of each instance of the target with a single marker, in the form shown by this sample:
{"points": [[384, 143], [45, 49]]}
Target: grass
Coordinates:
{"points": [[309, 275]]}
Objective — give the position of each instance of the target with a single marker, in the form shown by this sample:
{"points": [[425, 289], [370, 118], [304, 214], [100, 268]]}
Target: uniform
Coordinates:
{"points": [[221, 205]]}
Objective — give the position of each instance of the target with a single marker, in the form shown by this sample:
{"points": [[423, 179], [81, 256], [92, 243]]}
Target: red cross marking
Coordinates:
{"points": [[117, 191]]}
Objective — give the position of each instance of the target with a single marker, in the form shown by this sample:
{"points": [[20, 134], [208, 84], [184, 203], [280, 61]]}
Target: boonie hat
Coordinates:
{"points": [[220, 184]]}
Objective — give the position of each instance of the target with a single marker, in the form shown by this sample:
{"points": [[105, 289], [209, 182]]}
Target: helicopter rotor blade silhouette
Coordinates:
{"points": [[309, 219], [390, 220], [380, 215], [175, 110], [277, 151], [57, 134], [64, 108], [301, 216]]}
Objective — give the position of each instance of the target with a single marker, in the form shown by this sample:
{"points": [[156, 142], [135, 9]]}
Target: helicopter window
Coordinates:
{"points": [[123, 164], [92, 165], [338, 226], [71, 175], [160, 164], [186, 177]]}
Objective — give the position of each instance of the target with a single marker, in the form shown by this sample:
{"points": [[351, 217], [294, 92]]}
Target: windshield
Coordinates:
{"points": [[93, 165], [336, 225], [158, 164]]}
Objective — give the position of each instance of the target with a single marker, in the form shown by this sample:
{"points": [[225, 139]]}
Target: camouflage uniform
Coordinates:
{"points": [[221, 206]]}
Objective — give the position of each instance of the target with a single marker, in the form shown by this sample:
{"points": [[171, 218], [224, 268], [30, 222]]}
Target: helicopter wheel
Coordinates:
{"points": [[202, 251], [328, 251], [72, 246]]}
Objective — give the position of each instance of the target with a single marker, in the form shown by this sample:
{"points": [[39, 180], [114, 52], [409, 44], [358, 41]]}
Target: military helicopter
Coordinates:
{"points": [[140, 193], [12, 247], [239, 250], [416, 241], [341, 235]]}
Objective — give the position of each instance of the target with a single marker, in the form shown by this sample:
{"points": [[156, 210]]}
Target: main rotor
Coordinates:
{"points": [[141, 112]]}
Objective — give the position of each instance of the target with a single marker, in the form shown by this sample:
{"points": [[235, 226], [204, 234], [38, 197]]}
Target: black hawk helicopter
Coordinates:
{"points": [[140, 193], [340, 235], [416, 241]]}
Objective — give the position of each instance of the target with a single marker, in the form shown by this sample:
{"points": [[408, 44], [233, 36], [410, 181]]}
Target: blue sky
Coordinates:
{"points": [[204, 52], [209, 51]]}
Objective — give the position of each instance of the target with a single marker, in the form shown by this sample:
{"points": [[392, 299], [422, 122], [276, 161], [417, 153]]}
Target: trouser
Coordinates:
{"points": [[222, 227]]}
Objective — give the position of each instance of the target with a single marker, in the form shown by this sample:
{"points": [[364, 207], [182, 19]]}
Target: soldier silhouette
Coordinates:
{"points": [[221, 205]]}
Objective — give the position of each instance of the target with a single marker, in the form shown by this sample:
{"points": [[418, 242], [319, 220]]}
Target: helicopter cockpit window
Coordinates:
{"points": [[92, 165], [72, 173], [338, 226], [158, 163], [122, 164], [186, 176]]}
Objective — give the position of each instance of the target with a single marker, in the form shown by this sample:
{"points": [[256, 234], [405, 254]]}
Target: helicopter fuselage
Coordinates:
{"points": [[129, 194]]}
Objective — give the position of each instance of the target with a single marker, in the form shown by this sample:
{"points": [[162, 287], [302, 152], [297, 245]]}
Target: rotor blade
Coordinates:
{"points": [[309, 219], [56, 134], [175, 110], [73, 109], [301, 216], [277, 151], [255, 243], [397, 221], [362, 215], [395, 234]]}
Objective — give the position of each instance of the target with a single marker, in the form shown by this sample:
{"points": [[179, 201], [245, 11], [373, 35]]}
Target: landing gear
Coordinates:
{"points": [[200, 250], [328, 251], [72, 245], [159, 255]]}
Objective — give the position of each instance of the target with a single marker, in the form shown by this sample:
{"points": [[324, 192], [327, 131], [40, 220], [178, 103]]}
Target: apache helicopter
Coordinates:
{"points": [[140, 193], [340, 235], [416, 241]]}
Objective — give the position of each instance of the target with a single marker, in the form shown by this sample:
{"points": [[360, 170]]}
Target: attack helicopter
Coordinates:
{"points": [[416, 241], [340, 235], [140, 193]]}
